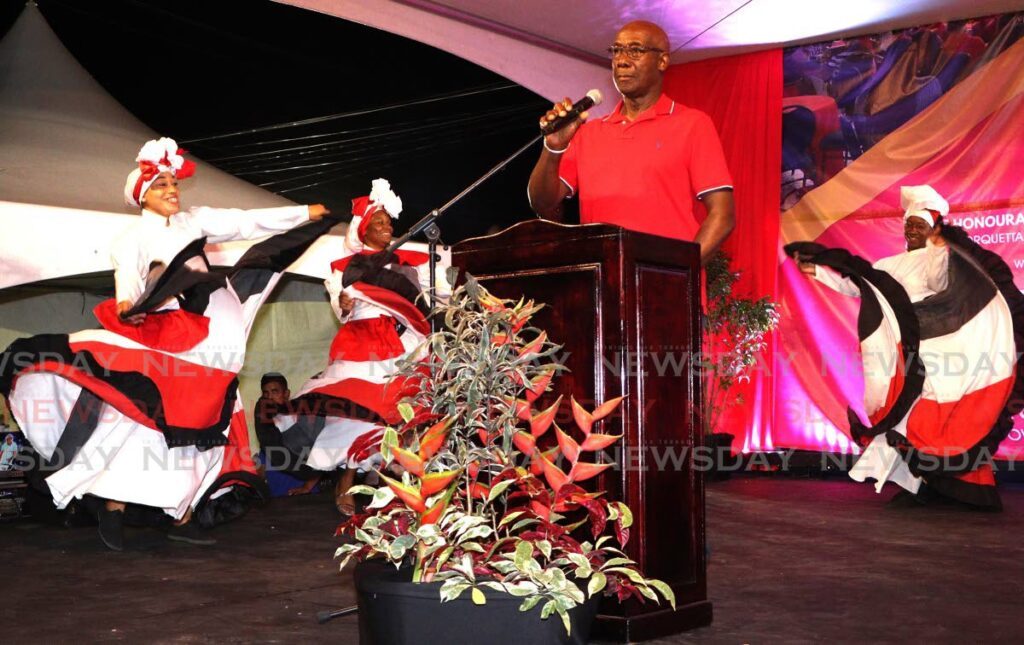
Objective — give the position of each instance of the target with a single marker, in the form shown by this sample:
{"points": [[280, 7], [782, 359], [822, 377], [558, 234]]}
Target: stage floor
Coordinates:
{"points": [[791, 560]]}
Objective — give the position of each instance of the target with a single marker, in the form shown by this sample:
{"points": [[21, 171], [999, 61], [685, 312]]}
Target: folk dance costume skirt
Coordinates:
{"points": [[160, 415], [339, 416], [943, 376], [150, 414]]}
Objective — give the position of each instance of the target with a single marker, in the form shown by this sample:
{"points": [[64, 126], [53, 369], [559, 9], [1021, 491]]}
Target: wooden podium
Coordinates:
{"points": [[626, 306]]}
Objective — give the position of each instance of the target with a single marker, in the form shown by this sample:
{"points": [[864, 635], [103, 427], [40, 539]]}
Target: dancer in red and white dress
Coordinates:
{"points": [[339, 416], [141, 411], [941, 329]]}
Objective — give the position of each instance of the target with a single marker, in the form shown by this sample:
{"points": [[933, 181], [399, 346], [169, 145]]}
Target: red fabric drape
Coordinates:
{"points": [[743, 96]]}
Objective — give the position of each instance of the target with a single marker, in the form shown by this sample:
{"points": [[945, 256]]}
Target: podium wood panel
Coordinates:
{"points": [[626, 308]]}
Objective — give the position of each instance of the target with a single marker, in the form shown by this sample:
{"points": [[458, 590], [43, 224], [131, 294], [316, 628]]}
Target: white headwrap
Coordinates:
{"points": [[920, 201], [155, 157], [381, 197]]}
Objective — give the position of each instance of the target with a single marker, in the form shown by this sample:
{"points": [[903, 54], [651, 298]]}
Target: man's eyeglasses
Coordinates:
{"points": [[633, 52]]}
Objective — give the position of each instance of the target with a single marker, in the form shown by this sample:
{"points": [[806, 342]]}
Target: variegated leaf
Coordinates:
{"points": [[475, 533], [478, 597], [524, 553], [564, 615], [544, 547], [530, 603], [453, 588], [381, 496], [498, 489], [665, 591]]}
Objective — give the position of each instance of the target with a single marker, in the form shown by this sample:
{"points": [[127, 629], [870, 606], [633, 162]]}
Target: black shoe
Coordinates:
{"points": [[906, 499], [191, 533], [112, 529]]}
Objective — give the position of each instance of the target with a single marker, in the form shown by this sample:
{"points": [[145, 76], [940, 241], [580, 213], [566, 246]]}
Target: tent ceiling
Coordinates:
{"points": [[65, 142], [705, 28], [558, 48]]}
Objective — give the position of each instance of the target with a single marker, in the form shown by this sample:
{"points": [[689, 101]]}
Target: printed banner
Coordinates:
{"points": [[941, 105]]}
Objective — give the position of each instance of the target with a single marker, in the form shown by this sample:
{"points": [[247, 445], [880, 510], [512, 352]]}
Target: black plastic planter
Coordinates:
{"points": [[394, 611]]}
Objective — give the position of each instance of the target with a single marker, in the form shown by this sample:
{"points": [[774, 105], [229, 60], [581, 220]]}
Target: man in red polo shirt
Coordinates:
{"points": [[642, 166]]}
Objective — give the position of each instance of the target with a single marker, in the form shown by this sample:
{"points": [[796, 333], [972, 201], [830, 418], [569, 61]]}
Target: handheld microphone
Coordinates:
{"points": [[592, 98]]}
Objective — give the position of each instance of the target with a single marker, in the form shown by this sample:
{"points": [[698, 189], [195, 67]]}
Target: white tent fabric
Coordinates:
{"points": [[66, 147], [556, 48], [65, 142], [534, 65]]}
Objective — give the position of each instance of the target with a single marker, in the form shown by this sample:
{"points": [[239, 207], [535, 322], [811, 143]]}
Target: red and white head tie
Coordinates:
{"points": [[381, 197], [155, 157], [923, 202]]}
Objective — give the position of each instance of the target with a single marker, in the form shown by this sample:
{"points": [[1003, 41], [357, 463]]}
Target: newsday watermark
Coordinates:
{"points": [[623, 459], [669, 362], [617, 363]]}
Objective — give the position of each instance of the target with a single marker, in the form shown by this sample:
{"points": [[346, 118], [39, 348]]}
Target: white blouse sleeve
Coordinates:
{"points": [[125, 258], [937, 267], [334, 289], [833, 280], [227, 224], [441, 285]]}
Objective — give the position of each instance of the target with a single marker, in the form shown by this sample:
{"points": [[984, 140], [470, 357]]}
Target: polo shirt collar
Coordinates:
{"points": [[664, 105]]}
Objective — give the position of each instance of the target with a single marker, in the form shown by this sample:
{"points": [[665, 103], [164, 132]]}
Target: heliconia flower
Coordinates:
{"points": [[479, 491], [434, 438], [518, 322], [434, 513], [569, 447], [407, 494], [585, 420], [501, 339], [535, 346], [606, 408], [524, 313], [535, 465], [481, 433], [473, 469], [525, 442], [556, 478], [489, 302], [582, 471], [408, 460], [599, 441], [541, 421], [538, 385], [420, 416], [433, 482], [520, 407]]}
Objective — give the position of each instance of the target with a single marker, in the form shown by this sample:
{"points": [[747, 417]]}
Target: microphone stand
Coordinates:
{"points": [[428, 226]]}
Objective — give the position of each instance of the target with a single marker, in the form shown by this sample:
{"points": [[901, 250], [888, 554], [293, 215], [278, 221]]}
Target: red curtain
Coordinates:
{"points": [[743, 96]]}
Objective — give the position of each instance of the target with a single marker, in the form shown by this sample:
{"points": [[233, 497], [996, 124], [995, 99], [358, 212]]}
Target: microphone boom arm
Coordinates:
{"points": [[428, 224]]}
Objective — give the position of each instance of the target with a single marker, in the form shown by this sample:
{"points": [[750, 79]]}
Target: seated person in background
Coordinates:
{"points": [[8, 450], [273, 456]]}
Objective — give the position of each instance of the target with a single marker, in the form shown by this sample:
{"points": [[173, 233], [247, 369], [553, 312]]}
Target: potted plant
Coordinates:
{"points": [[488, 512], [736, 330]]}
